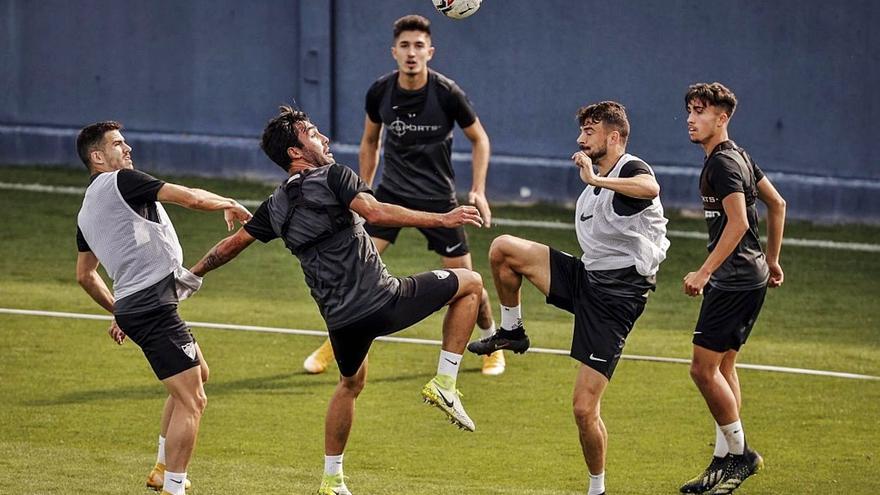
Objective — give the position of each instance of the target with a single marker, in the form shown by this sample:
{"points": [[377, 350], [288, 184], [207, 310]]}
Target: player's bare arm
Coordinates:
{"points": [[199, 199], [368, 153], [775, 226], [90, 280], [223, 252], [389, 215], [734, 205], [480, 151], [642, 186]]}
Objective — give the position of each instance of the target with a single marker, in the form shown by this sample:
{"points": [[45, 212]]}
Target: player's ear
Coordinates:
{"points": [[430, 52], [294, 153]]}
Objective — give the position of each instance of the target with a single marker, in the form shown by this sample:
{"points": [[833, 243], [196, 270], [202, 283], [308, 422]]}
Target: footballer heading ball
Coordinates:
{"points": [[457, 9]]}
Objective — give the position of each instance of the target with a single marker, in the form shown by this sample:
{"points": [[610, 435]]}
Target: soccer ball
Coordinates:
{"points": [[457, 9]]}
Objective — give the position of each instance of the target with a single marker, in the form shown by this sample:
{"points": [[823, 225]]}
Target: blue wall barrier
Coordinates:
{"points": [[195, 81]]}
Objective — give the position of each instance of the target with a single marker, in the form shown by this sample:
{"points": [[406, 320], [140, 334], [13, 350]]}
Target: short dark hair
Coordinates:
{"points": [[91, 136], [412, 22], [610, 113], [715, 94], [281, 133]]}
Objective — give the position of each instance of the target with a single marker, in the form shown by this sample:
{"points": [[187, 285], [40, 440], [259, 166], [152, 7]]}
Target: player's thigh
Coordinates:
{"points": [[463, 261], [528, 258], [588, 389], [186, 387], [469, 282]]}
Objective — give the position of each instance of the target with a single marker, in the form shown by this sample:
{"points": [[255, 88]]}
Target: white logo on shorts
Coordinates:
{"points": [[450, 249], [189, 350], [441, 274], [594, 358]]}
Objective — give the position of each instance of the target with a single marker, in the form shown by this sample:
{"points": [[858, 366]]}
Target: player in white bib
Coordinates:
{"points": [[123, 226], [622, 231]]}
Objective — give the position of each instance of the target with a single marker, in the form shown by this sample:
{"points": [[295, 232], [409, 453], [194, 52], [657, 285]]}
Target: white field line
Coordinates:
{"points": [[682, 234], [407, 340]]}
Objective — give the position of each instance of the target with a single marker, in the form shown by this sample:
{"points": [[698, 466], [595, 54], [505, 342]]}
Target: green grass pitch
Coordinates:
{"points": [[80, 415]]}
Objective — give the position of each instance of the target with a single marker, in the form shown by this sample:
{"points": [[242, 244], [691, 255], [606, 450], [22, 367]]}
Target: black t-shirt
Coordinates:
{"points": [[139, 190], [344, 272], [627, 205], [729, 169], [418, 134]]}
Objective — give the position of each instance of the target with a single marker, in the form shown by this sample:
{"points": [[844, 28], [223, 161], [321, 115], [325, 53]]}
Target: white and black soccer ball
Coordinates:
{"points": [[457, 9]]}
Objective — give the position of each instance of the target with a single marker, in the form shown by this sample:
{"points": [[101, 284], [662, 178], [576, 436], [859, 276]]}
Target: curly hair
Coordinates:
{"points": [[610, 113]]}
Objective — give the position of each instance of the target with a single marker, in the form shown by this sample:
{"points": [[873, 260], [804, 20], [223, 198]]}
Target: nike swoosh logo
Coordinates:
{"points": [[584, 219], [450, 249], [175, 481], [448, 403], [594, 358], [451, 361], [697, 333]]}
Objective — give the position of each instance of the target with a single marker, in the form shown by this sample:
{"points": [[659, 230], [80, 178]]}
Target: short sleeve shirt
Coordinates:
{"points": [[729, 169], [345, 274], [418, 134]]}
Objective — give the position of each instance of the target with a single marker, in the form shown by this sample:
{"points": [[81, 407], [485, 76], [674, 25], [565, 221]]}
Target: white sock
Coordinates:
{"points": [[175, 483], [333, 464], [736, 438], [485, 333], [597, 484], [721, 449], [160, 455], [511, 317], [449, 364]]}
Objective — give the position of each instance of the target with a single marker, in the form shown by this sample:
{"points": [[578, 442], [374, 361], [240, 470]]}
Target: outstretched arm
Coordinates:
{"points": [[200, 199], [224, 251], [480, 151], [388, 215], [775, 226]]}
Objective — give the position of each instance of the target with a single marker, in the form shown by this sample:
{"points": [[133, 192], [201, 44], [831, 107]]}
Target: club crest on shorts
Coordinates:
{"points": [[189, 349], [441, 274]]}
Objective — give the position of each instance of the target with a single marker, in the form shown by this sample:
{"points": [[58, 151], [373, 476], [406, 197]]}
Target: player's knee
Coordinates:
{"points": [[585, 412], [353, 385], [701, 374], [500, 249]]}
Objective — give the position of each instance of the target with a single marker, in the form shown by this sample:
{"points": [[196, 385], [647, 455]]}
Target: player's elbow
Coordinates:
{"points": [[84, 278], [652, 190]]}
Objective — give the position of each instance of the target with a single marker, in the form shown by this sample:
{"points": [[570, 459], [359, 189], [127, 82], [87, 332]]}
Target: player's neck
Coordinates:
{"points": [[717, 139], [607, 162], [413, 82], [298, 166]]}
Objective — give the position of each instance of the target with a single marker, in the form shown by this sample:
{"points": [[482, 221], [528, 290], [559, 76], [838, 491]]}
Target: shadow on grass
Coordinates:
{"points": [[298, 383]]}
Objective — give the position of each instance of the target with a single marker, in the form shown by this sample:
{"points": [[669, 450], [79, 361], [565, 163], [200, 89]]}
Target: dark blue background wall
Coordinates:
{"points": [[195, 81]]}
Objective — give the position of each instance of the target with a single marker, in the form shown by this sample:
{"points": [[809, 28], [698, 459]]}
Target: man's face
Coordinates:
{"points": [[114, 151], [412, 50], [594, 139], [315, 146], [704, 121]]}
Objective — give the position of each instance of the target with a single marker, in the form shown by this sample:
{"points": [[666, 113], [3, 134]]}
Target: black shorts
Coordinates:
{"points": [[164, 337], [418, 297], [449, 243], [727, 317], [601, 321]]}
